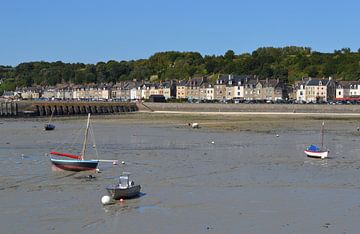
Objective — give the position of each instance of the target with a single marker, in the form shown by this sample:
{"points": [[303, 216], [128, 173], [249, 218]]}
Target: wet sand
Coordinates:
{"points": [[246, 181]]}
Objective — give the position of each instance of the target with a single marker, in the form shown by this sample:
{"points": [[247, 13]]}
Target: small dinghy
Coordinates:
{"points": [[314, 152], [126, 188], [49, 127]]}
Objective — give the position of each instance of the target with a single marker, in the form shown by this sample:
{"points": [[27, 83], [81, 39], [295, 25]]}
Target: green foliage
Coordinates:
{"points": [[9, 84], [287, 63]]}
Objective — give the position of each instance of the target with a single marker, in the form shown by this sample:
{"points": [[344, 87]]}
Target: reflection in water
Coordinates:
{"points": [[121, 206], [143, 209]]}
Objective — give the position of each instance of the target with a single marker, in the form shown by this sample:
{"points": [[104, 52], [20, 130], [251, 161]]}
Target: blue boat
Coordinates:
{"points": [[49, 127], [75, 165], [77, 162]]}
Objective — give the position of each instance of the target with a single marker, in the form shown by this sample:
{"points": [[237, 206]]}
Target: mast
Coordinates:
{"points": [[322, 135], [85, 138], [52, 113]]}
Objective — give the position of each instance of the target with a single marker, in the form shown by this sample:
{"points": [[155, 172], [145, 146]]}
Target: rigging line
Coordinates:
{"points": [[93, 139], [67, 140], [52, 113], [78, 134]]}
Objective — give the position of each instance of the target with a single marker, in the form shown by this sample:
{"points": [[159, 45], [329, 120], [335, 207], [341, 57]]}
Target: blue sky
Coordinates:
{"points": [[90, 31]]}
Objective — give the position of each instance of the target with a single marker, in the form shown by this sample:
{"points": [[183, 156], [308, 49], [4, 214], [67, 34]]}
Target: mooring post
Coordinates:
{"points": [[6, 108], [16, 109]]}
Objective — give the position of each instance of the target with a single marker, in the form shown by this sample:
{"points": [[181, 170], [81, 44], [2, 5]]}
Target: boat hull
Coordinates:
{"points": [[123, 193], [316, 154], [49, 127], [75, 165]]}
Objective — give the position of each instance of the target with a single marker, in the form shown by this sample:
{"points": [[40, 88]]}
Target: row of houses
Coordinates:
{"points": [[326, 89], [226, 87], [229, 87]]}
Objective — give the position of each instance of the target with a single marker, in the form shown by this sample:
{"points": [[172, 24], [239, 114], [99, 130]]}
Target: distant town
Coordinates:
{"points": [[227, 88]]}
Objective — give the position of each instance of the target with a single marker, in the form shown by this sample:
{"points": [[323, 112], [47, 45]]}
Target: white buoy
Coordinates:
{"points": [[213, 142], [105, 200], [122, 162], [277, 135]]}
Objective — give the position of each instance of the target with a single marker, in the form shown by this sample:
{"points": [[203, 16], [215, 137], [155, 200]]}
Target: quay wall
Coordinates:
{"points": [[42, 108], [241, 107]]}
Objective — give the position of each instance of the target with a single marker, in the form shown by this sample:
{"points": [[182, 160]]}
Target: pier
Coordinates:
{"points": [[42, 108]]}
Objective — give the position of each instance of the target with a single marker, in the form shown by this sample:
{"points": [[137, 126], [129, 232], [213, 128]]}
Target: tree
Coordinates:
{"points": [[229, 55]]}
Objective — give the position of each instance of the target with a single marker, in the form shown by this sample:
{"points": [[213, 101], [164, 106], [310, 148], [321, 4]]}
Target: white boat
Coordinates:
{"points": [[194, 125], [316, 152], [126, 188]]}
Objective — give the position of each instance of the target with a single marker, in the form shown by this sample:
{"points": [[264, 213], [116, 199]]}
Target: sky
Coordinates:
{"points": [[90, 31]]}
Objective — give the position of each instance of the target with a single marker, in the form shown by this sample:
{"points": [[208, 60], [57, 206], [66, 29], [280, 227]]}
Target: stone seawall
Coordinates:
{"points": [[42, 108], [219, 107]]}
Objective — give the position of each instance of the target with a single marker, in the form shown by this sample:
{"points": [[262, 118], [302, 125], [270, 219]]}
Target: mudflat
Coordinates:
{"points": [[235, 174]]}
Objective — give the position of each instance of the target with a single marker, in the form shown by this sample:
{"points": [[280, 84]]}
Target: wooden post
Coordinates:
{"points": [[6, 108], [16, 109]]}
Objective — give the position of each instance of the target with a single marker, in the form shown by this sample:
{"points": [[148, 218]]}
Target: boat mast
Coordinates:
{"points": [[322, 136], [85, 138], [52, 113]]}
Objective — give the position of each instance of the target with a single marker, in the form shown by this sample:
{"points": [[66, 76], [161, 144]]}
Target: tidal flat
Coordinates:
{"points": [[235, 174]]}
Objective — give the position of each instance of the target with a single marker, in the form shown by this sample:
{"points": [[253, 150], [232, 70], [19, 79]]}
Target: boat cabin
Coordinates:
{"points": [[125, 182]]}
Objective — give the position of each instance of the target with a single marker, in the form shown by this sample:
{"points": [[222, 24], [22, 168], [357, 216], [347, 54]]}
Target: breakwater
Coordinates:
{"points": [[42, 108]]}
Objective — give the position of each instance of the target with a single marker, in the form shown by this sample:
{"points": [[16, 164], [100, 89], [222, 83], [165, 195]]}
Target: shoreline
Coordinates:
{"points": [[218, 107], [253, 113]]}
